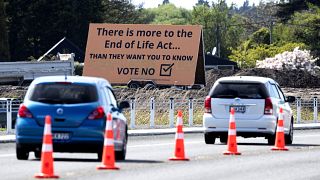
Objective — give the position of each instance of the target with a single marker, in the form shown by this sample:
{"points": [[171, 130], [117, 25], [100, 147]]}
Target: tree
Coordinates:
{"points": [[219, 27], [257, 47], [4, 49], [165, 2], [170, 14], [306, 28], [287, 9], [119, 11], [203, 2], [35, 26]]}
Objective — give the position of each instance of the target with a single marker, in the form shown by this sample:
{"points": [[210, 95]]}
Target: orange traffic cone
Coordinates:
{"points": [[108, 157], [46, 152], [232, 136], [179, 148], [280, 142]]}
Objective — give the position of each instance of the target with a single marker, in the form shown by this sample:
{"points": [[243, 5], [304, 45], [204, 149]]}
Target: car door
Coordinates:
{"points": [[119, 120], [287, 112]]}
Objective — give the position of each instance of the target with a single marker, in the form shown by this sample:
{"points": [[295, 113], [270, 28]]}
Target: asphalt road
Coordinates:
{"points": [[148, 159]]}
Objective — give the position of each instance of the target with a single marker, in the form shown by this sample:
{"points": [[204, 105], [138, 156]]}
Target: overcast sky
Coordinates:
{"points": [[188, 4]]}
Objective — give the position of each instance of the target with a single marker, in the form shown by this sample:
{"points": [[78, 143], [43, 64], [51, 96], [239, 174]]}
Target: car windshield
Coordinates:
{"points": [[64, 93], [239, 90]]}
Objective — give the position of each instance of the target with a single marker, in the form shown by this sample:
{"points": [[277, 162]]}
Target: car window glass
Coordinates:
{"points": [[274, 92], [280, 93], [112, 97], [241, 90], [64, 93]]}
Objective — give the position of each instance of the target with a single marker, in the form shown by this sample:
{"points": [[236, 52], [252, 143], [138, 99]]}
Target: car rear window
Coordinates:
{"points": [[62, 93], [240, 90]]}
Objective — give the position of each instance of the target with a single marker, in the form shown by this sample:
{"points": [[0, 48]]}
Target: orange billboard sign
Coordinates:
{"points": [[165, 54]]}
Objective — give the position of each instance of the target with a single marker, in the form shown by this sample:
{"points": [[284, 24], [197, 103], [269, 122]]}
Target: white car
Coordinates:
{"points": [[256, 101]]}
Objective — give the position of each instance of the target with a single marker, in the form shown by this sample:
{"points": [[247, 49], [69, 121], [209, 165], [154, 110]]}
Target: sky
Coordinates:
{"points": [[188, 4]]}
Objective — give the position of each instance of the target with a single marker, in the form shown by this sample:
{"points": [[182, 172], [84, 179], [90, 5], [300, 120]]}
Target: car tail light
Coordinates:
{"points": [[207, 105], [97, 113], [24, 112], [268, 108]]}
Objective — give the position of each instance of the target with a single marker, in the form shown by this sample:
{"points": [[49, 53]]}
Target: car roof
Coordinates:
{"points": [[251, 79], [72, 79]]}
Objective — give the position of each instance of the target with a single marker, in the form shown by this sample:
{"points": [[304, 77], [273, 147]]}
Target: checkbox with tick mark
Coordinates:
{"points": [[166, 69]]}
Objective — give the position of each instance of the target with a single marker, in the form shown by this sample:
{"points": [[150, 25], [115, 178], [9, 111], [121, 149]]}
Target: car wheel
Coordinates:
{"points": [[37, 154], [289, 137], [209, 138], [271, 139], [224, 139], [150, 86], [121, 155], [133, 85], [21, 153], [100, 156]]}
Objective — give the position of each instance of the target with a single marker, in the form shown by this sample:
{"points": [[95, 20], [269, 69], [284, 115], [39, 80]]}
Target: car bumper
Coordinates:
{"points": [[29, 135], [248, 128]]}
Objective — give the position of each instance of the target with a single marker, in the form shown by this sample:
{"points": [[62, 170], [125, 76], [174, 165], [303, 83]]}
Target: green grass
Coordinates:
{"points": [[306, 114], [142, 118]]}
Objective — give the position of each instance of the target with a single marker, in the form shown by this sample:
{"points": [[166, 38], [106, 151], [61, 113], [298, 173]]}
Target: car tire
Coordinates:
{"points": [[21, 153], [121, 155], [133, 85], [209, 138], [224, 139], [289, 137], [37, 154], [271, 139], [100, 155], [150, 86]]}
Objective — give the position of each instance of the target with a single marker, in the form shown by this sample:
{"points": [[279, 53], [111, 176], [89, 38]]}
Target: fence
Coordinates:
{"points": [[8, 109], [160, 113]]}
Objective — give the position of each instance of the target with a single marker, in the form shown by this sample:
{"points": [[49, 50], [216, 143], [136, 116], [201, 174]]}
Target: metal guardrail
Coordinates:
{"points": [[305, 110]]}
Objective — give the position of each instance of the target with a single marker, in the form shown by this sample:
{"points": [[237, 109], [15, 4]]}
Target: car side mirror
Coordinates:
{"points": [[124, 104], [290, 99]]}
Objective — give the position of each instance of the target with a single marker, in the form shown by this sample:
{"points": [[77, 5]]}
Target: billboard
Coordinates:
{"points": [[165, 54]]}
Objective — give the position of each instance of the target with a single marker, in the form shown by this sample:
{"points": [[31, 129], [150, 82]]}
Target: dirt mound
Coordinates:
{"points": [[9, 91], [293, 80], [286, 78]]}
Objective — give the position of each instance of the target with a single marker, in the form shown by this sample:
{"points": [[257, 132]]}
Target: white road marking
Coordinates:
{"points": [[6, 155], [302, 136], [166, 144], [163, 144]]}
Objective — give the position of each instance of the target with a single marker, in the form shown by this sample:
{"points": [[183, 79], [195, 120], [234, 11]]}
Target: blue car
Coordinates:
{"points": [[78, 106]]}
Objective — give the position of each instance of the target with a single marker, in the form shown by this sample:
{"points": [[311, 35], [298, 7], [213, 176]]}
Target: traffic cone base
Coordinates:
{"points": [[231, 153], [279, 149], [179, 159], [44, 176], [101, 167]]}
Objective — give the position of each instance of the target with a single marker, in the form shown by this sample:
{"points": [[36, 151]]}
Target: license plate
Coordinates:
{"points": [[239, 109], [60, 136]]}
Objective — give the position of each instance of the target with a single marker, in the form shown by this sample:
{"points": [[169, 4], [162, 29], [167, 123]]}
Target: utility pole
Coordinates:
{"points": [[218, 40], [271, 27]]}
